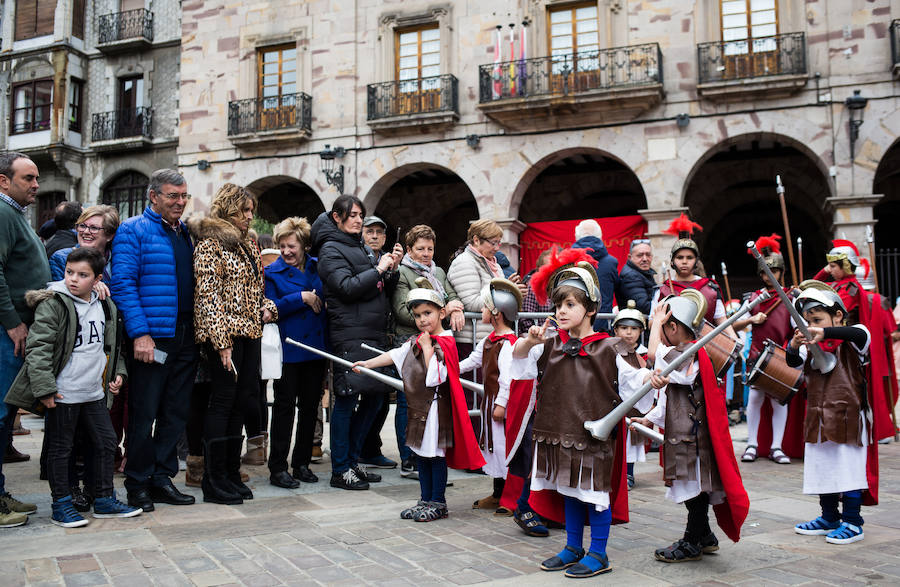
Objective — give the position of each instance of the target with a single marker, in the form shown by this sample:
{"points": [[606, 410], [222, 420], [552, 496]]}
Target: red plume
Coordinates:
{"points": [[845, 243], [682, 227], [865, 265], [558, 258], [768, 242]]}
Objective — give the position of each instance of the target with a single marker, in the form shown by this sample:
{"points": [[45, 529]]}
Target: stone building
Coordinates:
{"points": [[91, 95], [614, 107]]}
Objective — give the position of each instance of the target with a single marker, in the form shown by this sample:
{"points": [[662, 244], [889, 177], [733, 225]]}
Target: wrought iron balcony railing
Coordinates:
{"points": [[425, 95], [122, 124], [272, 113], [121, 26], [895, 42], [722, 61], [571, 73]]}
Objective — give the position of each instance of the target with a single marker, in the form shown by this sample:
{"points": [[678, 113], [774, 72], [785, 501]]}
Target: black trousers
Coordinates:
{"points": [[698, 518], [228, 397], [61, 424], [159, 398], [298, 390], [199, 403]]}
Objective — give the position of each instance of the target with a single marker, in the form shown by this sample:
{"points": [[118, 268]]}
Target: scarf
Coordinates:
{"points": [[492, 264], [426, 271]]}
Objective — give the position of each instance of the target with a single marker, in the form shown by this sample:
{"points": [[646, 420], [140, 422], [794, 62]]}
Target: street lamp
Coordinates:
{"points": [[333, 176], [856, 104]]}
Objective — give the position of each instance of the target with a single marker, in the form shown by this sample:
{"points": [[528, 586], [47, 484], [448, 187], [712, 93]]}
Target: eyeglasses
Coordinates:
{"points": [[88, 228], [494, 243], [176, 196]]}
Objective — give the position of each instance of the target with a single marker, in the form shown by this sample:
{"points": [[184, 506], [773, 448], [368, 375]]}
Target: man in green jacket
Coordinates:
{"points": [[23, 267]]}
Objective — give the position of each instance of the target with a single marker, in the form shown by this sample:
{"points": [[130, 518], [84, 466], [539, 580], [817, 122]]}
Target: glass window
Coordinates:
{"points": [[128, 193], [573, 29], [31, 104], [744, 20], [76, 89], [418, 54], [277, 71]]}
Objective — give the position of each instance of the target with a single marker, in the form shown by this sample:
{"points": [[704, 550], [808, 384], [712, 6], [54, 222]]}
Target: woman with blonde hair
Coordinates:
{"points": [[229, 310], [95, 228], [293, 284]]}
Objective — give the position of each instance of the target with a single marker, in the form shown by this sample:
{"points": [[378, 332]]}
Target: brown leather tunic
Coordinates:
{"points": [[571, 391], [419, 398], [687, 434], [835, 399], [490, 365]]}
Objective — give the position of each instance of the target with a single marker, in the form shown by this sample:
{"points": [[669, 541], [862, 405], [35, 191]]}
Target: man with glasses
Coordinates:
{"points": [[637, 281], [153, 287]]}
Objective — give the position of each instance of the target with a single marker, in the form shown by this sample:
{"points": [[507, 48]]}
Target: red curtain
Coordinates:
{"points": [[618, 232]]}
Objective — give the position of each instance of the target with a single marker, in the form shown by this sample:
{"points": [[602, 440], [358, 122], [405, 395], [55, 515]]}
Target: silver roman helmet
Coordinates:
{"points": [[689, 308], [423, 293], [502, 296], [630, 316], [816, 294], [583, 276]]}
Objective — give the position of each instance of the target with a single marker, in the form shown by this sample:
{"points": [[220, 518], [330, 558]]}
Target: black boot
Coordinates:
{"points": [[233, 467], [215, 485]]}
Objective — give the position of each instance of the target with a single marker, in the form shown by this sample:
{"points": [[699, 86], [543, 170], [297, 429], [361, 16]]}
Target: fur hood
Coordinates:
{"points": [[36, 296], [217, 229]]}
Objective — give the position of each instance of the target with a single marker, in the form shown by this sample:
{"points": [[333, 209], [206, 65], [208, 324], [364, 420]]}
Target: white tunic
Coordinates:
{"points": [[680, 490], [495, 460], [630, 380], [436, 374], [830, 467], [636, 453]]}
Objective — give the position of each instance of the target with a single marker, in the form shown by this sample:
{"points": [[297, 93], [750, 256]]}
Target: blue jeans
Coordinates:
{"points": [[400, 421], [10, 365], [351, 419]]}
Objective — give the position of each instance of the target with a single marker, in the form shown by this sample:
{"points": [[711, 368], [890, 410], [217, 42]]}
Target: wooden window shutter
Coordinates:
{"points": [[46, 9], [26, 19], [78, 19]]}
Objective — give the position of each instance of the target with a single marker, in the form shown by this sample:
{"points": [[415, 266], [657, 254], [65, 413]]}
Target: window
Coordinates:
{"points": [[277, 74], [574, 44], [76, 89], [418, 53], [34, 18], [78, 19], [128, 193], [131, 93], [747, 23], [46, 205], [32, 102]]}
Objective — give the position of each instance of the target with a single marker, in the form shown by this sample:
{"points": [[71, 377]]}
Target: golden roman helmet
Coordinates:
{"points": [[630, 316], [688, 308], [423, 292], [502, 296], [814, 293], [581, 275]]}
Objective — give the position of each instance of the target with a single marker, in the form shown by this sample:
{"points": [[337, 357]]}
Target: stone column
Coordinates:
{"points": [[658, 219], [512, 228], [851, 216]]}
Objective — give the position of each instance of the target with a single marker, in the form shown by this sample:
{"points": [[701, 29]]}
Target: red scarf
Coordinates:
{"points": [[464, 454], [511, 337], [564, 337]]}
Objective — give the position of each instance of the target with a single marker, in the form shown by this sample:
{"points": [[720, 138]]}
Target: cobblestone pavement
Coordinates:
{"points": [[317, 535]]}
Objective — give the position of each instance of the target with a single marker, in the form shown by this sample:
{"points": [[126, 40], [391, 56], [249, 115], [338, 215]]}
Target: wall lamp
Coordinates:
{"points": [[856, 104], [203, 165], [333, 176], [474, 141], [682, 120]]}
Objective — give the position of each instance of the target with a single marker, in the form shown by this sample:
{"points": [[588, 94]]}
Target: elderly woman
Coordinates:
{"points": [[229, 311], [95, 228], [293, 283]]}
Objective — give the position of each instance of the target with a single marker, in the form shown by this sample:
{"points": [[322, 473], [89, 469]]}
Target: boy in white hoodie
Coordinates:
{"points": [[72, 362]]}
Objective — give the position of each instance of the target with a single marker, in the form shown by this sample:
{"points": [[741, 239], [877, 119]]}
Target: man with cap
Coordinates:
{"points": [[374, 234]]}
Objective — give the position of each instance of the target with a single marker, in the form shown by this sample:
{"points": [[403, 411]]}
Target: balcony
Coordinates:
{"points": [[122, 129], [260, 122], [766, 67], [606, 85], [424, 104], [119, 32], [895, 47]]}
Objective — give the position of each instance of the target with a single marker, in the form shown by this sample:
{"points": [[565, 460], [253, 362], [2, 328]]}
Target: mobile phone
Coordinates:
{"points": [[159, 356], [233, 368]]}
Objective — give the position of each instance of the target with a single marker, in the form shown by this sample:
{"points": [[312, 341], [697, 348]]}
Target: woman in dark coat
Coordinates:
{"points": [[357, 298]]}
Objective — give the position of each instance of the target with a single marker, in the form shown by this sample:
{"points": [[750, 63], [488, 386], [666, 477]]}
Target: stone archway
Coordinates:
{"points": [[424, 193], [731, 191], [887, 212], [281, 196]]}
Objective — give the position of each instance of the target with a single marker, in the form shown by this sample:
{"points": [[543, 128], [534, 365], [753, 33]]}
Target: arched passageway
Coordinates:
{"points": [[282, 196], [887, 229]]}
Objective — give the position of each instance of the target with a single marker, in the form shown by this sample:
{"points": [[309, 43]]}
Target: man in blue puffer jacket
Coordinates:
{"points": [[589, 235], [153, 287]]}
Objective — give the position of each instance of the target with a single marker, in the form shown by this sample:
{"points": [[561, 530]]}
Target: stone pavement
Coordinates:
{"points": [[317, 535]]}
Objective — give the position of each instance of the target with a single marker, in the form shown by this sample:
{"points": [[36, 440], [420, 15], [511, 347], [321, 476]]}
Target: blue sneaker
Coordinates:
{"points": [[817, 527], [846, 534], [65, 514], [110, 507]]}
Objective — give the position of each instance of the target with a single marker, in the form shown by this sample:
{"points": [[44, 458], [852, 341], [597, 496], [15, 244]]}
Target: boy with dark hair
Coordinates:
{"points": [[72, 369]]}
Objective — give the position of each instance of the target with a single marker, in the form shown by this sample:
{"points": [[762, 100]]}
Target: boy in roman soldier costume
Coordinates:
{"points": [[439, 430], [700, 468], [873, 312], [581, 375], [841, 460], [772, 321], [629, 325], [493, 355]]}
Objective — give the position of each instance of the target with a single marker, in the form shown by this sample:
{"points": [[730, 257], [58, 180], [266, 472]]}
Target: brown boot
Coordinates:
{"points": [[14, 456], [244, 477], [256, 451], [194, 473], [18, 429]]}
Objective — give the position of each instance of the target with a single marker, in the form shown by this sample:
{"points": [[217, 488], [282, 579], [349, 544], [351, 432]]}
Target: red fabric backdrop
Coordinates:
{"points": [[618, 232]]}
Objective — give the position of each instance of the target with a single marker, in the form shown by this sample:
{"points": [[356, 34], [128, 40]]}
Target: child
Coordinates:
{"points": [[439, 431], [836, 427], [629, 325], [493, 354], [700, 468], [72, 365], [577, 373]]}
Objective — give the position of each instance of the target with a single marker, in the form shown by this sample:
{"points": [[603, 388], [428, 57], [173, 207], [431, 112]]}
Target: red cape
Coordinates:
{"points": [[464, 454], [793, 444], [731, 513]]}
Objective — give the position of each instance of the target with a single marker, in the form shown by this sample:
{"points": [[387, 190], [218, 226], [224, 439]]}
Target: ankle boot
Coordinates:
{"points": [[215, 485], [233, 466], [193, 476], [256, 451]]}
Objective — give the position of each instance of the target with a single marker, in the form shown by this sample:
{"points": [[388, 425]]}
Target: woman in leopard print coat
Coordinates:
{"points": [[229, 310]]}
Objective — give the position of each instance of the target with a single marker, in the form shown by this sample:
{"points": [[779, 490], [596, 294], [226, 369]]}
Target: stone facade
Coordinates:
{"points": [[793, 123], [82, 165]]}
